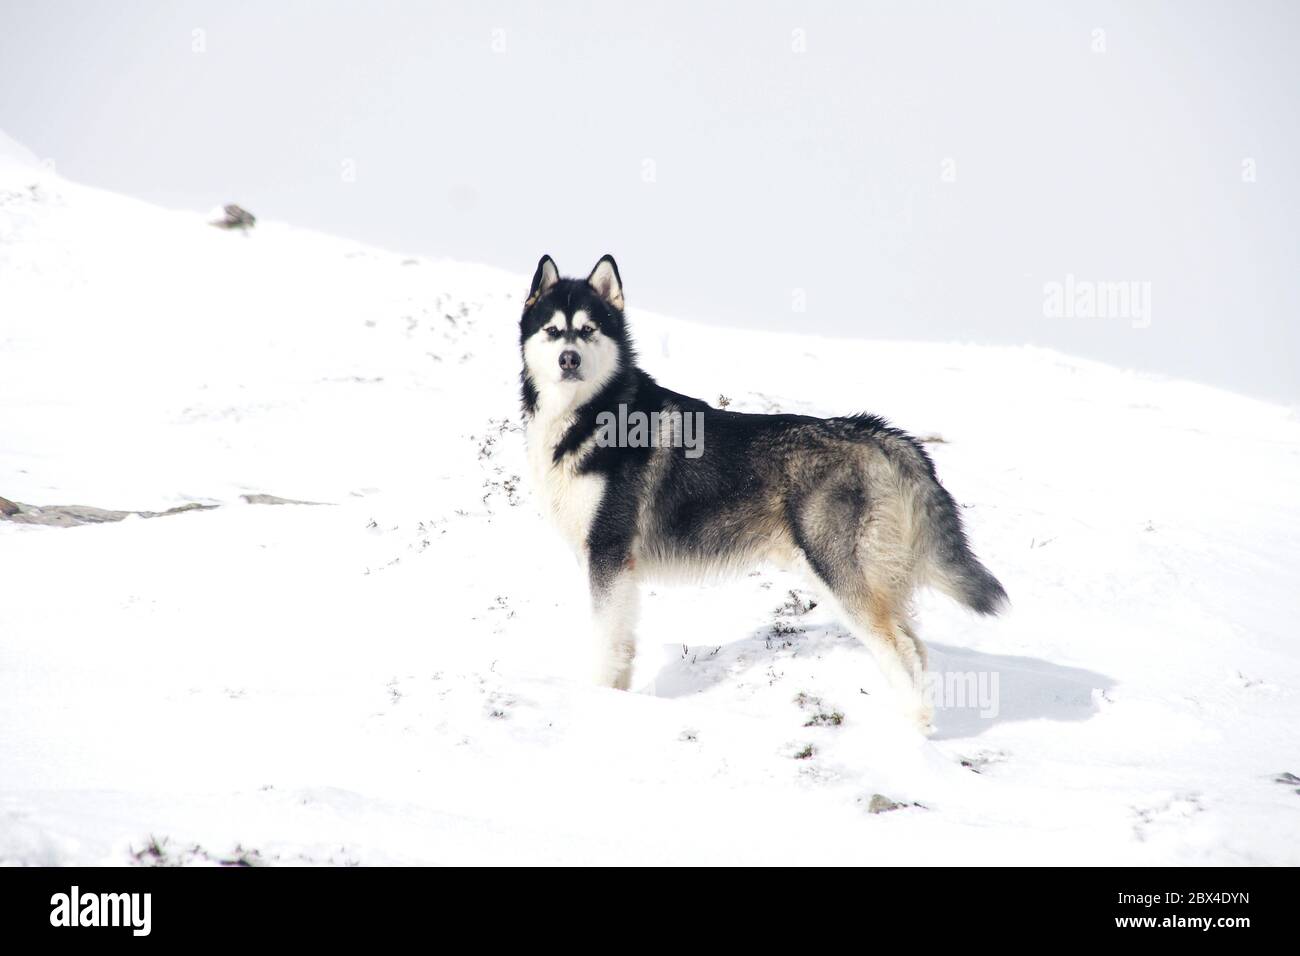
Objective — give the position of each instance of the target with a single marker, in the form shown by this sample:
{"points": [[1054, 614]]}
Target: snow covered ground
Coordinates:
{"points": [[397, 675]]}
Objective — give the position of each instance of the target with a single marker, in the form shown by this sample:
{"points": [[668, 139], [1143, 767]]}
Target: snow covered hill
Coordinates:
{"points": [[397, 673]]}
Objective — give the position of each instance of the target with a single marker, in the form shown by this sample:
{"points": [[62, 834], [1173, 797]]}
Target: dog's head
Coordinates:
{"points": [[572, 335]]}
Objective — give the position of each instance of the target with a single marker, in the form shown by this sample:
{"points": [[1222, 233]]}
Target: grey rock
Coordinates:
{"points": [[235, 217], [882, 804], [260, 499], [70, 516]]}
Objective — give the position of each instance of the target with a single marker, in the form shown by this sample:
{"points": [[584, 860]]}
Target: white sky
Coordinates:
{"points": [[496, 131]]}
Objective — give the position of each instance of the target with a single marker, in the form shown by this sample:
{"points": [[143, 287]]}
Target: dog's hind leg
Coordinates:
{"points": [[837, 534], [615, 601], [908, 627], [877, 622]]}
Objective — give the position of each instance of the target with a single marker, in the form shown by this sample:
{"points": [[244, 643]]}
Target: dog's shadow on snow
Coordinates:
{"points": [[983, 690], [973, 691]]}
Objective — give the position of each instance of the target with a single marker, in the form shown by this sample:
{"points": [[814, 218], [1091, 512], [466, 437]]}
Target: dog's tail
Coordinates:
{"points": [[939, 554], [952, 566]]}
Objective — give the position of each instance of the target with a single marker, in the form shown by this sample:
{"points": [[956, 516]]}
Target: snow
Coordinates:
{"points": [[397, 675]]}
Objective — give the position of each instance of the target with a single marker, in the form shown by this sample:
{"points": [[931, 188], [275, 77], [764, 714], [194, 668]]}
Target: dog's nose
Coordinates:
{"points": [[570, 359]]}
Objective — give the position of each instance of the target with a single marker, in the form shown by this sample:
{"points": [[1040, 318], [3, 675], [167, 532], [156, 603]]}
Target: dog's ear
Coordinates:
{"points": [[605, 280], [545, 277]]}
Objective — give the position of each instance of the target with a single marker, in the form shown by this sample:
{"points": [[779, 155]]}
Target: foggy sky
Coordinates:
{"points": [[899, 170]]}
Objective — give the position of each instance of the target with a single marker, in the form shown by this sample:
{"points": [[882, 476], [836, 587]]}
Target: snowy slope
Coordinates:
{"points": [[398, 675]]}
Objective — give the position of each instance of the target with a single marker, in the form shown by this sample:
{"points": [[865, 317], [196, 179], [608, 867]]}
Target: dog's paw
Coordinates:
{"points": [[922, 714], [613, 674]]}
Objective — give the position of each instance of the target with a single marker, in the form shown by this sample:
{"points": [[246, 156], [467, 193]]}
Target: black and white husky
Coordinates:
{"points": [[851, 503]]}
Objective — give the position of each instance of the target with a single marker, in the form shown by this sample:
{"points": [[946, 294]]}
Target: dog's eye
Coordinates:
{"points": [[552, 331], [587, 332]]}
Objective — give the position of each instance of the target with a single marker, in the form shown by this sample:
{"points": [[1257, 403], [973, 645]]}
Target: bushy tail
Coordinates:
{"points": [[954, 570], [931, 521]]}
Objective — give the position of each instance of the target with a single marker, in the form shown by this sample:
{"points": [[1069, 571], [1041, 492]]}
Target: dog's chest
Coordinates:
{"points": [[569, 499]]}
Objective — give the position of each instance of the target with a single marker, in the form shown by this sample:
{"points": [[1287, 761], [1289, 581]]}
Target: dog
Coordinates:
{"points": [[851, 504]]}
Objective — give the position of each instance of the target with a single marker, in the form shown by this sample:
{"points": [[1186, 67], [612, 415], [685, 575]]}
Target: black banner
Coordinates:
{"points": [[139, 905]]}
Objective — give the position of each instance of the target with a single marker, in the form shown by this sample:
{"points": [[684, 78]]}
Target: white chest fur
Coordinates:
{"points": [[568, 498]]}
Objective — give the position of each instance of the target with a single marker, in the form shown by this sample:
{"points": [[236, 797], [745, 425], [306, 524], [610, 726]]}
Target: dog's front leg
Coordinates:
{"points": [[614, 604]]}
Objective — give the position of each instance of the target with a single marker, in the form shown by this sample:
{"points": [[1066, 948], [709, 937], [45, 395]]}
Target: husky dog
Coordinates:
{"points": [[850, 503]]}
